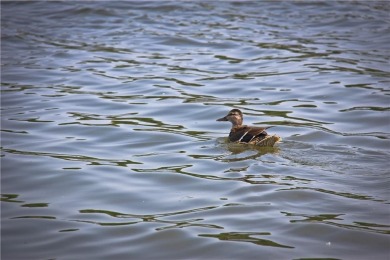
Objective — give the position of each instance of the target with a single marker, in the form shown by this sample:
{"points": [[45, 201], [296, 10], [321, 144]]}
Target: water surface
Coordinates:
{"points": [[110, 148]]}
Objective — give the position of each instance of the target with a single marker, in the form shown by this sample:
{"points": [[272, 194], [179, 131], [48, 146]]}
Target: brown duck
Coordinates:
{"points": [[248, 134]]}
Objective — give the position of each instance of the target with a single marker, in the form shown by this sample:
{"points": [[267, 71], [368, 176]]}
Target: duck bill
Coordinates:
{"points": [[223, 119]]}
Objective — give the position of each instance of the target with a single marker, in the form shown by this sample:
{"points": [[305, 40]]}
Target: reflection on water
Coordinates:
{"points": [[247, 237], [158, 218], [109, 138], [333, 219], [236, 149]]}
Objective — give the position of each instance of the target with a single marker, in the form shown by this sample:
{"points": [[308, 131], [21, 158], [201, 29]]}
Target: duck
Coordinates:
{"points": [[248, 134]]}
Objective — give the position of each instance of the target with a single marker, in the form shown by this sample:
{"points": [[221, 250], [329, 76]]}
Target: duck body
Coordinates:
{"points": [[248, 134]]}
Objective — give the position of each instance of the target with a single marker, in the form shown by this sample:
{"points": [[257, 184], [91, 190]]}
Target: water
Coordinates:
{"points": [[110, 148]]}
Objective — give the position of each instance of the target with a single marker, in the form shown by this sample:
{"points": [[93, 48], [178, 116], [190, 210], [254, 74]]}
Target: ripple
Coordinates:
{"points": [[109, 138], [250, 237]]}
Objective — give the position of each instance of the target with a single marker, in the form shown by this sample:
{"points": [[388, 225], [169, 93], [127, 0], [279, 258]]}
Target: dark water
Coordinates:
{"points": [[110, 148]]}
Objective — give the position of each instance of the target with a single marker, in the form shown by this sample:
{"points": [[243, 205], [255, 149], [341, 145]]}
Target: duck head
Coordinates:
{"points": [[234, 116]]}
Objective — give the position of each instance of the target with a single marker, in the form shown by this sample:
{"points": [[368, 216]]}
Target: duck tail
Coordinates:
{"points": [[269, 141]]}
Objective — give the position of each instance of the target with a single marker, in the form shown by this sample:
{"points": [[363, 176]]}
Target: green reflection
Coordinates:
{"points": [[305, 106], [74, 157], [35, 205], [180, 169], [334, 220], [14, 131], [272, 179], [246, 237], [314, 218], [342, 194], [365, 224], [235, 148], [10, 198], [69, 230], [35, 217], [371, 108], [155, 218], [230, 59]]}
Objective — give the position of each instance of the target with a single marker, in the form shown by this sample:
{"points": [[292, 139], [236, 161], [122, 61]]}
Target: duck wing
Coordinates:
{"points": [[245, 134]]}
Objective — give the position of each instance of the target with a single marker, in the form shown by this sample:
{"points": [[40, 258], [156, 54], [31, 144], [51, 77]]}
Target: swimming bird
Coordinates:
{"points": [[248, 134]]}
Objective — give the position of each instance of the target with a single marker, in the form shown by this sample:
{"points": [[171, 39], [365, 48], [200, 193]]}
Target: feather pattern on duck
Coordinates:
{"points": [[248, 134]]}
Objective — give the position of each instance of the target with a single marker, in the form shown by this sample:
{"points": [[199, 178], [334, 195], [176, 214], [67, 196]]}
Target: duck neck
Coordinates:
{"points": [[237, 122]]}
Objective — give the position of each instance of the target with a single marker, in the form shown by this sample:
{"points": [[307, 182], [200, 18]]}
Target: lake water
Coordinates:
{"points": [[110, 148]]}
